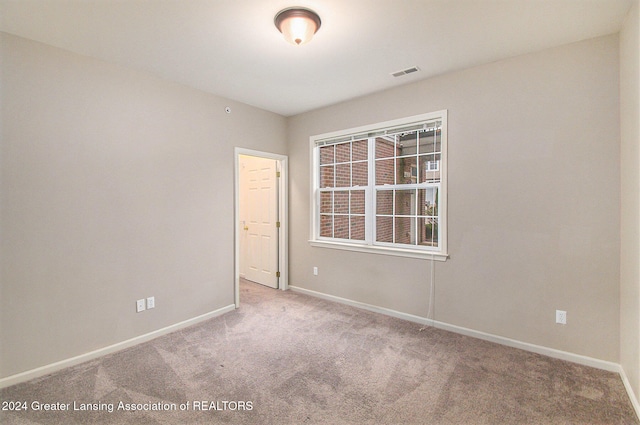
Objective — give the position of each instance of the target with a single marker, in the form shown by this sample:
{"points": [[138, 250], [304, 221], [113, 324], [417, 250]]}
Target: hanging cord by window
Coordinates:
{"points": [[431, 295]]}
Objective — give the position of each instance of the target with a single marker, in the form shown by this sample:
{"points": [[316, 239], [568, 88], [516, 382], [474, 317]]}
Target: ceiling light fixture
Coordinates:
{"points": [[297, 24]]}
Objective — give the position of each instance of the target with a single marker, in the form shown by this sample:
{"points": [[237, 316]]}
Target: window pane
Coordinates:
{"points": [[357, 227], [384, 202], [360, 174], [343, 152], [428, 231], [407, 170], [384, 171], [428, 201], [384, 229], [341, 202], [405, 202], [326, 176], [357, 202], [385, 147], [343, 175], [341, 226], [326, 205], [405, 230], [326, 154], [326, 225], [429, 168], [360, 150], [429, 144], [407, 143]]}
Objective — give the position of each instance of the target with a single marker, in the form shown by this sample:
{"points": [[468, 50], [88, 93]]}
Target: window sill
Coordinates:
{"points": [[381, 250]]}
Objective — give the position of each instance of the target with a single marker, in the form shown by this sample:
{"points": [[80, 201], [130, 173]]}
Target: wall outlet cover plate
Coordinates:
{"points": [[140, 306]]}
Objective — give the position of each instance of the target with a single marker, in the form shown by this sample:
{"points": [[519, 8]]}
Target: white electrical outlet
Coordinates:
{"points": [[151, 302], [140, 306], [315, 271], [561, 317]]}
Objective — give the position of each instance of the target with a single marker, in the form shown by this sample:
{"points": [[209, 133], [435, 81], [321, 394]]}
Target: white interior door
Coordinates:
{"points": [[259, 220]]}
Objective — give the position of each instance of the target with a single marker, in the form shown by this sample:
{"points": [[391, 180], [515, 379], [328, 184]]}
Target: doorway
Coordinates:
{"points": [[260, 219]]}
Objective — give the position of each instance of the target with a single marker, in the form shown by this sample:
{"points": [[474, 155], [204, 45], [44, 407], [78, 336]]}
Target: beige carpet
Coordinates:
{"points": [[286, 358]]}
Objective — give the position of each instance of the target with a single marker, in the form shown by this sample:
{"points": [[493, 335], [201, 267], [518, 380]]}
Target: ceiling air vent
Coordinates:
{"points": [[405, 71]]}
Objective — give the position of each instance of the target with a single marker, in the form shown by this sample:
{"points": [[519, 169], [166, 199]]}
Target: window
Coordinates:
{"points": [[382, 188], [433, 165]]}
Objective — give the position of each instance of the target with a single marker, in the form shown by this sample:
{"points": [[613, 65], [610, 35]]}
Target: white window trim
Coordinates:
{"points": [[439, 255], [436, 168]]}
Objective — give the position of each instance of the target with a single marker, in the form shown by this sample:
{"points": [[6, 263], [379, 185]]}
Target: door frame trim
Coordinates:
{"points": [[283, 209]]}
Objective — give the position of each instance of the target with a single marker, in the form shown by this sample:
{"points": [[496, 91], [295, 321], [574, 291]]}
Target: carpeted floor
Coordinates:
{"points": [[287, 358]]}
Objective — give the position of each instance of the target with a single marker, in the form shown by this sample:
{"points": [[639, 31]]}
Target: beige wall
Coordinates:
{"points": [[115, 186], [534, 193], [630, 216]]}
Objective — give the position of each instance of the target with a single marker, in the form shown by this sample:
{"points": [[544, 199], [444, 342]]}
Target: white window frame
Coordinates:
{"points": [[369, 245], [436, 165]]}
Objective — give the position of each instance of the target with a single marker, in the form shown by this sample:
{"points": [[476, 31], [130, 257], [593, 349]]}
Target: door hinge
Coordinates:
{"points": [[277, 173], [277, 274], [278, 224]]}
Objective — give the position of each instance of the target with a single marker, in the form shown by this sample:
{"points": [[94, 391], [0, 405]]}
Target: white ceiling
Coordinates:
{"points": [[232, 49]]}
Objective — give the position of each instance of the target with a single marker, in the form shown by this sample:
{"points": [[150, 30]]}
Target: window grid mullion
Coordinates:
{"points": [[350, 188]]}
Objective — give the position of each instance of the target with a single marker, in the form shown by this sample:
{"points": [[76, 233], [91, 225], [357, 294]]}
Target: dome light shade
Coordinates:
{"points": [[297, 24]]}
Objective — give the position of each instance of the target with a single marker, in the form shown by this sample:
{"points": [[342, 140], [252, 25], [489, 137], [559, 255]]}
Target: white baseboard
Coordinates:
{"points": [[632, 395], [539, 349], [53, 367], [550, 352]]}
